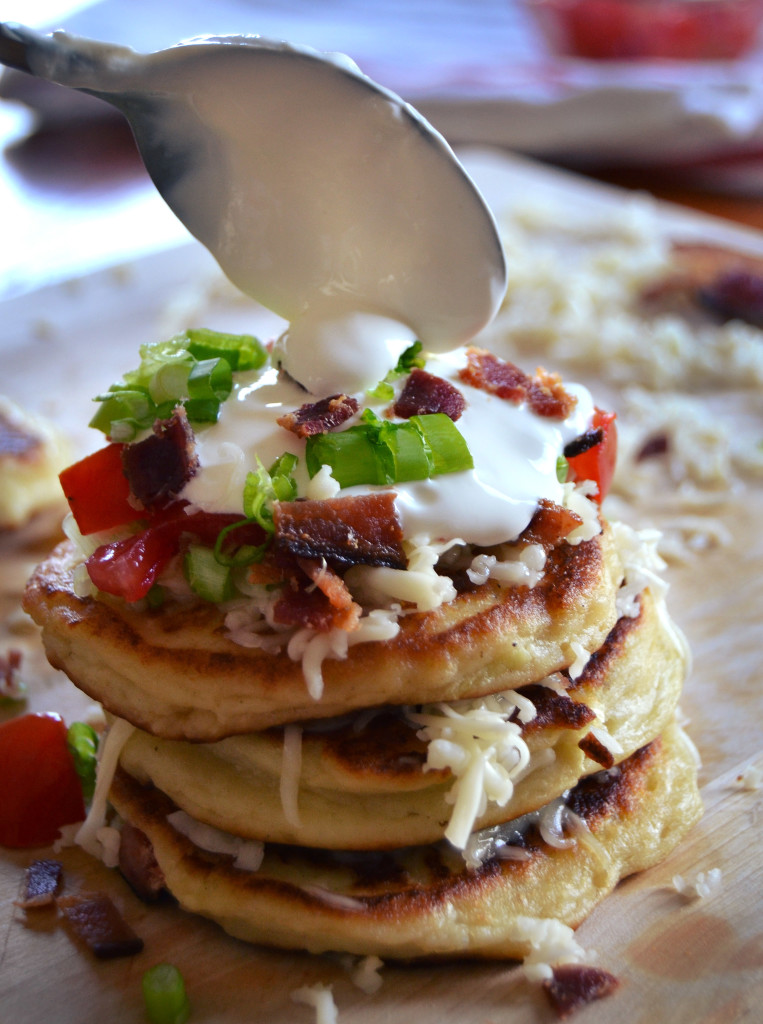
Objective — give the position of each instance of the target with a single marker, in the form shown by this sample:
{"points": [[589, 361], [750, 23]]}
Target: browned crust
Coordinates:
{"points": [[173, 672], [399, 901]]}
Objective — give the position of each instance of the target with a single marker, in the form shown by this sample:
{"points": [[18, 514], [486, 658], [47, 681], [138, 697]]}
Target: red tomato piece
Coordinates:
{"points": [[98, 491], [598, 463], [41, 788], [128, 568]]}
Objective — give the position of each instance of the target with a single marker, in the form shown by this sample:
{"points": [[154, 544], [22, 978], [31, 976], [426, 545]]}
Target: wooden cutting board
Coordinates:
{"points": [[679, 960]]}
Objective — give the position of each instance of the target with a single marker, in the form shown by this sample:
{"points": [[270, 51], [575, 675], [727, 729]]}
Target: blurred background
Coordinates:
{"points": [[662, 95]]}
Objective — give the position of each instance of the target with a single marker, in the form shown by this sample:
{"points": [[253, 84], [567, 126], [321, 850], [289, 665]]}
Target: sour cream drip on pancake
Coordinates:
{"points": [[514, 451]]}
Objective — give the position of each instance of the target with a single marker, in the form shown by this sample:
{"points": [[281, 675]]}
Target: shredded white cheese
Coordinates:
{"points": [[321, 998], [247, 853], [526, 568], [483, 750], [365, 974], [108, 758], [751, 778], [702, 886]]}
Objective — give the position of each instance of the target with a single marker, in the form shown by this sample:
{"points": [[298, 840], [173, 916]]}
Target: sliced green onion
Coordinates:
{"points": [[202, 410], [449, 451], [170, 381], [411, 359], [206, 576], [245, 554], [379, 452], [132, 408], [82, 741], [165, 996], [193, 369], [241, 351], [262, 487], [155, 597], [211, 378], [562, 468], [383, 392]]}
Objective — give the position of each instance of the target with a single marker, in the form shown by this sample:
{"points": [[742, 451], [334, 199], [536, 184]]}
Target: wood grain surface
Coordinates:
{"points": [[679, 959]]}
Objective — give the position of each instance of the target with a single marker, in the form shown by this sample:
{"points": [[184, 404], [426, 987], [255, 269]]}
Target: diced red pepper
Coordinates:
{"points": [[41, 788], [597, 463], [98, 491]]}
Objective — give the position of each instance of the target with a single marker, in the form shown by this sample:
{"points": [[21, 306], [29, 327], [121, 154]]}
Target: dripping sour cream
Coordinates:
{"points": [[514, 451]]}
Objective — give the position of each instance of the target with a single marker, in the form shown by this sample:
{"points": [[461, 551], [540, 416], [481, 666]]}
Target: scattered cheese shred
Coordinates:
{"points": [[108, 757], [321, 998], [702, 886], [482, 748]]}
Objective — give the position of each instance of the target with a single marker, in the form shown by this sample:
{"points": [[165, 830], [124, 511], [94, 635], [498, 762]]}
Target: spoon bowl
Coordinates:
{"points": [[310, 184]]}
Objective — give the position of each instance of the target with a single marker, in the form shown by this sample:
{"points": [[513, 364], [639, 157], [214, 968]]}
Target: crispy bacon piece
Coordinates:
{"points": [[544, 392], [657, 444], [574, 986], [10, 666], [139, 865], [331, 584], [159, 467], [96, 922], [425, 393], [550, 524], [347, 531], [319, 417], [595, 749], [726, 282], [42, 881]]}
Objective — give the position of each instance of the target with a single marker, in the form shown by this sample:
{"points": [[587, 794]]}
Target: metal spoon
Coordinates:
{"points": [[308, 182]]}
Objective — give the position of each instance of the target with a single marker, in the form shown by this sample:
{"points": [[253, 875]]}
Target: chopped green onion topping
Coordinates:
{"points": [[240, 351], [380, 452], [82, 742], [562, 468], [206, 576], [409, 360], [194, 369], [165, 996], [262, 487], [245, 554]]}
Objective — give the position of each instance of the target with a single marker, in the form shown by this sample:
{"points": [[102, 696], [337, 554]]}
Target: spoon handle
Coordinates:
{"points": [[13, 47]]}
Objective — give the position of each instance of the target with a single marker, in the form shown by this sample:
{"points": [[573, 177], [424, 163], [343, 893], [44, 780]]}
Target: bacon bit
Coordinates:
{"points": [[303, 606], [584, 443], [735, 295], [335, 589], [159, 467], [265, 573], [96, 922], [653, 446], [42, 881], [425, 393], [544, 393], [349, 531], [319, 417], [10, 666], [728, 283], [574, 986], [595, 749], [550, 524], [139, 865]]}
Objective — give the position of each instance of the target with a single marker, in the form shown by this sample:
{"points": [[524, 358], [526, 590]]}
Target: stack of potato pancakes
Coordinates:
{"points": [[472, 785]]}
